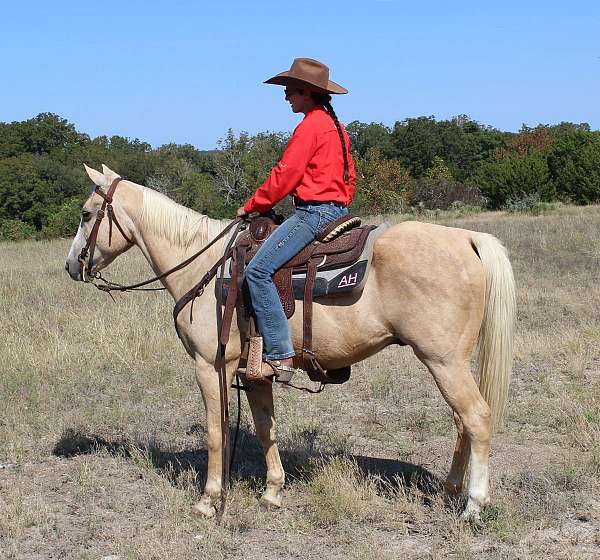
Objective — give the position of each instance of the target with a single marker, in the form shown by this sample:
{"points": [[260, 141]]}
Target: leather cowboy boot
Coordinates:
{"points": [[258, 370]]}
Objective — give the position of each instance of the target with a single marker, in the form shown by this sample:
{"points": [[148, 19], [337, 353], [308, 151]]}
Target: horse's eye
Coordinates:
{"points": [[85, 214]]}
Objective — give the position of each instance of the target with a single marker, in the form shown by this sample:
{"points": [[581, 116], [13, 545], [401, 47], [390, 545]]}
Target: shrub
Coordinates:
{"points": [[443, 193], [14, 230], [65, 221], [525, 202], [382, 185], [529, 204]]}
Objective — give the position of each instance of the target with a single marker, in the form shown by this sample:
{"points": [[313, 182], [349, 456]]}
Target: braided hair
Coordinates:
{"points": [[325, 100]]}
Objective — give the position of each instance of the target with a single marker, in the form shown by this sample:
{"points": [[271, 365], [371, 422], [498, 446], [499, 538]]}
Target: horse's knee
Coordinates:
{"points": [[266, 431], [213, 441]]}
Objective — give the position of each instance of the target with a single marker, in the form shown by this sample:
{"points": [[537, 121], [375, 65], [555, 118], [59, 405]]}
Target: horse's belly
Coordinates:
{"points": [[345, 329]]}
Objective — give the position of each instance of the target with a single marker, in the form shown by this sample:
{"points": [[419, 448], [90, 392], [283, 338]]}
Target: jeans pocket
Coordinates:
{"points": [[328, 214]]}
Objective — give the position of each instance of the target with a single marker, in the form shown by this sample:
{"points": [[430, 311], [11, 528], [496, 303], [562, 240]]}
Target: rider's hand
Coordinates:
{"points": [[240, 212]]}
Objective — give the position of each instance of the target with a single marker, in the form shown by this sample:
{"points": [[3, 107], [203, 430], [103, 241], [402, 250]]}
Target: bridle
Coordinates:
{"points": [[90, 245]]}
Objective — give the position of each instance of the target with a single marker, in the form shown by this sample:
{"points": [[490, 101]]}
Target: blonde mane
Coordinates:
{"points": [[178, 224]]}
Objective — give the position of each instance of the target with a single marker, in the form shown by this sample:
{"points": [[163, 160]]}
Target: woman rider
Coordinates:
{"points": [[316, 168]]}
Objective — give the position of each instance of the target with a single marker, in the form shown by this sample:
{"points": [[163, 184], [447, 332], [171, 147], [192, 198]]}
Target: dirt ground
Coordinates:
{"points": [[102, 428]]}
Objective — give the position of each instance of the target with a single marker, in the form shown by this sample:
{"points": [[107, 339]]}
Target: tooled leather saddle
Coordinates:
{"points": [[335, 254]]}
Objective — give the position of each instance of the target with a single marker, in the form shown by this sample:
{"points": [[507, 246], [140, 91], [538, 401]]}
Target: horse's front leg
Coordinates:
{"points": [[260, 397], [208, 381]]}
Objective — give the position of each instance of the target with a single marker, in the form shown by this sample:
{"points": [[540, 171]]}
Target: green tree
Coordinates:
{"points": [[40, 135], [461, 142], [438, 169], [64, 221], [199, 193], [416, 142], [574, 165], [23, 194], [230, 179], [514, 176], [243, 162], [264, 150], [366, 136], [15, 230]]}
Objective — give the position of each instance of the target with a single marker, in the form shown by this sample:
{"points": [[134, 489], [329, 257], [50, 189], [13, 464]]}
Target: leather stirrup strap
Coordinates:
{"points": [[311, 365], [237, 275], [307, 351]]}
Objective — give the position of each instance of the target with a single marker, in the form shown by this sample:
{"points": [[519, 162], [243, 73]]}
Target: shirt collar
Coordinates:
{"points": [[316, 108]]}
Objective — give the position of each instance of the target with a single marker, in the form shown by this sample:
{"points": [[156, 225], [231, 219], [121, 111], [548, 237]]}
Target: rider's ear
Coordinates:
{"points": [[98, 178], [109, 173]]}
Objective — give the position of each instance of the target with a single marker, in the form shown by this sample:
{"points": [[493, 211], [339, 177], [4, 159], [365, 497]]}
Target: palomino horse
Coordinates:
{"points": [[440, 290]]}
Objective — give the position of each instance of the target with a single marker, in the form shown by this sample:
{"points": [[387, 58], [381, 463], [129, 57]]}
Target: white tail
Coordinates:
{"points": [[495, 344]]}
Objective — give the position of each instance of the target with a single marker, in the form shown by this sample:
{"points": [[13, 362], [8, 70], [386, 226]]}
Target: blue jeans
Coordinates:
{"points": [[285, 242]]}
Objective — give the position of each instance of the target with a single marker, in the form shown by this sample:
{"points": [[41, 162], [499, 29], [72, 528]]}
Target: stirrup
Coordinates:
{"points": [[281, 372]]}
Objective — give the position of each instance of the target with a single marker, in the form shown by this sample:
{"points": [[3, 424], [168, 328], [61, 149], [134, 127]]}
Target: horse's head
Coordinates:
{"points": [[105, 229]]}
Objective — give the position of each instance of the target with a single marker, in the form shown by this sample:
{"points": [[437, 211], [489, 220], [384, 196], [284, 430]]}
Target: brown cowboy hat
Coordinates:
{"points": [[307, 72]]}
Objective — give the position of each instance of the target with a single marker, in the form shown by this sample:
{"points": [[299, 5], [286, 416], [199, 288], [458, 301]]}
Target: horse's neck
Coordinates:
{"points": [[169, 237]]}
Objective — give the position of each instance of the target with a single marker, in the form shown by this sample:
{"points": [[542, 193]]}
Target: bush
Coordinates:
{"points": [[382, 185], [14, 230], [525, 203], [65, 221], [529, 204], [443, 193]]}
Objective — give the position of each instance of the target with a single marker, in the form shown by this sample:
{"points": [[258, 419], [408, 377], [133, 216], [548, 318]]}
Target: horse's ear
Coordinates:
{"points": [[98, 178], [109, 173]]}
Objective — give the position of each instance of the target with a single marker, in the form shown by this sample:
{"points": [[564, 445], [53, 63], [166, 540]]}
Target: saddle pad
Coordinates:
{"points": [[331, 280]]}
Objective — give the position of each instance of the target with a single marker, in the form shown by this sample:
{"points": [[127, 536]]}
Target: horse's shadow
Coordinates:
{"points": [[300, 460]]}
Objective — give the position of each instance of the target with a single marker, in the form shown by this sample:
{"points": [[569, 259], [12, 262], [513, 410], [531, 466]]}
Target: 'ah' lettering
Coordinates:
{"points": [[348, 280]]}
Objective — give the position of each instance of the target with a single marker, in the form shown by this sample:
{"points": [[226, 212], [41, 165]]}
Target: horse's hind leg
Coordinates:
{"points": [[260, 397], [460, 460], [474, 432]]}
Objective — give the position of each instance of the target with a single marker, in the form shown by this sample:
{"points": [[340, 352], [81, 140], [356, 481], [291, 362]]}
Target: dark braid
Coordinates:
{"points": [[325, 100]]}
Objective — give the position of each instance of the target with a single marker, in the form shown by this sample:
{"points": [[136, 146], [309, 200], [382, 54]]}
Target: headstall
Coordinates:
{"points": [[90, 246]]}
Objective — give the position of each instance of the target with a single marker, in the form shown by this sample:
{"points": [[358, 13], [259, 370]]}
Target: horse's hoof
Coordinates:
{"points": [[269, 501], [472, 512], [204, 509]]}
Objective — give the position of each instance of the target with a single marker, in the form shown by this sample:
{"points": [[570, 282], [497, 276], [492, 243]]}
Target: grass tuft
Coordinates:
{"points": [[339, 493]]}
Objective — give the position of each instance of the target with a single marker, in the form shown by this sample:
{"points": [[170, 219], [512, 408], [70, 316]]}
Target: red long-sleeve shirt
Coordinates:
{"points": [[311, 168]]}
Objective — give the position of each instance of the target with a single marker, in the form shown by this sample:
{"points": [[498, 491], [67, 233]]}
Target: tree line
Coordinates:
{"points": [[418, 163]]}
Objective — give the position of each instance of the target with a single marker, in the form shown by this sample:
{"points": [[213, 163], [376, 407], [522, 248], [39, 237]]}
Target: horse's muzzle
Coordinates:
{"points": [[73, 270]]}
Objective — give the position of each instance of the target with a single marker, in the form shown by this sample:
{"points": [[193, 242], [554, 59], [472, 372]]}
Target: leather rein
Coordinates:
{"points": [[90, 245]]}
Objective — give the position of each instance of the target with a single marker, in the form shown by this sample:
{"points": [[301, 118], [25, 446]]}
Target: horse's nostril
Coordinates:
{"points": [[67, 266]]}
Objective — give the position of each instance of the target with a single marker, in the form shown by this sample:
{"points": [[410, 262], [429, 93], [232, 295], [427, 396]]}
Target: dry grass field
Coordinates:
{"points": [[102, 427]]}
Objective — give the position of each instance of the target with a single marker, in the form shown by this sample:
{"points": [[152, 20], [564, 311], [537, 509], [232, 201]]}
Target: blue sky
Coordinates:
{"points": [[184, 71]]}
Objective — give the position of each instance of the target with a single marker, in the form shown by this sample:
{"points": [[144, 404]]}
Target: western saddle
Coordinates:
{"points": [[340, 244]]}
